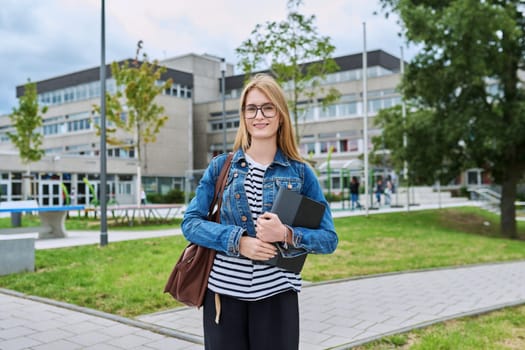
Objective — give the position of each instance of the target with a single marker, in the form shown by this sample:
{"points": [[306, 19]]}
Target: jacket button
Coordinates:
{"points": [[235, 175], [237, 196], [244, 218], [243, 164], [289, 186]]}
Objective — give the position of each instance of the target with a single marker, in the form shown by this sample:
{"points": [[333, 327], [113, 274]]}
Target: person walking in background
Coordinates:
{"points": [[142, 196], [393, 180], [388, 191], [378, 191], [250, 305], [354, 193]]}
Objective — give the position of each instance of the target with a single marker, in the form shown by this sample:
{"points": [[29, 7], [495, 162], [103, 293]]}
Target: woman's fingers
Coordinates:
{"points": [[256, 249], [269, 227]]}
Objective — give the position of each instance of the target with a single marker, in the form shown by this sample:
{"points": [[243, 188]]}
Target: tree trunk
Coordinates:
{"points": [[508, 207], [138, 185], [26, 184]]}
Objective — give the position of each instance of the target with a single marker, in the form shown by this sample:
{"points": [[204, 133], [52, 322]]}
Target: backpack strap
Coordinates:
{"points": [[215, 207]]}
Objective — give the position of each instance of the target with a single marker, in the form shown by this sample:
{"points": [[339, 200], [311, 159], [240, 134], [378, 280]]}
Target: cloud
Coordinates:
{"points": [[44, 39]]}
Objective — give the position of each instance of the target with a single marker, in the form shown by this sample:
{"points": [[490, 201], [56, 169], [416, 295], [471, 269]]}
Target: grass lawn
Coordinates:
{"points": [[498, 330], [127, 278], [411, 241]]}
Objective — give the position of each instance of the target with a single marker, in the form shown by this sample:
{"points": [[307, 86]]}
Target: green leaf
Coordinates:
{"points": [[465, 92], [285, 47], [27, 120], [134, 111]]}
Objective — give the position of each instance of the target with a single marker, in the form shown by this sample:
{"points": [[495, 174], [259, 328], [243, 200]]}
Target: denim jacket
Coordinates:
{"points": [[235, 212]]}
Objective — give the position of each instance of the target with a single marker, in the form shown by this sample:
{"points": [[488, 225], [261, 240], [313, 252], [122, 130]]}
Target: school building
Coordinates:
{"points": [[200, 119]]}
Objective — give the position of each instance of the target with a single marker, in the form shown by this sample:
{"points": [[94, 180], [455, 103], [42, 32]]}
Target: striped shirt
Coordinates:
{"points": [[240, 277]]}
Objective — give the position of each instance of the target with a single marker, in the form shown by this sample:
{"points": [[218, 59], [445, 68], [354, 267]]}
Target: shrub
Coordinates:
{"points": [[333, 197], [173, 196]]}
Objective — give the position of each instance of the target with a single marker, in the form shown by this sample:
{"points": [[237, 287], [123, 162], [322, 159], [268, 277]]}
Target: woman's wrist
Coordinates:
{"points": [[285, 239], [288, 237]]}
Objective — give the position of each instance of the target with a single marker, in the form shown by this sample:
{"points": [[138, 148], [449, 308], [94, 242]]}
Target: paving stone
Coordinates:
{"points": [[58, 345]]}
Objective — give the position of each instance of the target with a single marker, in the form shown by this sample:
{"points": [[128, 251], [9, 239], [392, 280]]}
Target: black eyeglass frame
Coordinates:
{"points": [[260, 108]]}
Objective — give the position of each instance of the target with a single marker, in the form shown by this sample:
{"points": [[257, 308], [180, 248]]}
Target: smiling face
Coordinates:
{"points": [[275, 132], [261, 128]]}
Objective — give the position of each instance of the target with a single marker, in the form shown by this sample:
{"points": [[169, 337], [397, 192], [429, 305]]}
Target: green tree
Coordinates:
{"points": [[427, 164], [465, 85], [286, 47], [26, 119], [132, 109]]}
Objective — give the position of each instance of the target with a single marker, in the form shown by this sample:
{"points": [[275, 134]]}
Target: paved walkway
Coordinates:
{"points": [[76, 238], [35, 323], [337, 315], [348, 313]]}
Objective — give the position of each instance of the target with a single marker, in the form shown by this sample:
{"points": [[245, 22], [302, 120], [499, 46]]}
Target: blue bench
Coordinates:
{"points": [[52, 218], [17, 244]]}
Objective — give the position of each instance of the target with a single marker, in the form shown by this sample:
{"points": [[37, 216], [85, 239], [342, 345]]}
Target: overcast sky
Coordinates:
{"points": [[41, 39]]}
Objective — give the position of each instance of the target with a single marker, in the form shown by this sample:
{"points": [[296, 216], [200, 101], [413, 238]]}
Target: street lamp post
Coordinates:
{"points": [[365, 117], [103, 217], [223, 95]]}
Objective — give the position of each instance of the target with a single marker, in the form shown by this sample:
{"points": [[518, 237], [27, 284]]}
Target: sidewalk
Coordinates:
{"points": [[348, 313], [37, 323], [76, 238], [337, 315]]}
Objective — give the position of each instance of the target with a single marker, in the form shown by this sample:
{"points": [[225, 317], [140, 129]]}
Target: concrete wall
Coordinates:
{"points": [[206, 74], [171, 154], [17, 254]]}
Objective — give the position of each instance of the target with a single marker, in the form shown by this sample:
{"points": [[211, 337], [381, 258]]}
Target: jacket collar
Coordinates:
{"points": [[279, 159]]}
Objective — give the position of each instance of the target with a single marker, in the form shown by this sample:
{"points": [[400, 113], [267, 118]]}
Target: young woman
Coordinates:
{"points": [[250, 305]]}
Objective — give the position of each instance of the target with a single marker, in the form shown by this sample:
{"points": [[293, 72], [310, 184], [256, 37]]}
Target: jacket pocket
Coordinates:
{"points": [[292, 184]]}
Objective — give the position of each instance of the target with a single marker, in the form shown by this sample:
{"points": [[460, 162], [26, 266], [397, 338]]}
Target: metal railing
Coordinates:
{"points": [[491, 199]]}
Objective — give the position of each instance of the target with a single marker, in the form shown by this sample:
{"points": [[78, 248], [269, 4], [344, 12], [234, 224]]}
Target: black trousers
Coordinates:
{"points": [[271, 323]]}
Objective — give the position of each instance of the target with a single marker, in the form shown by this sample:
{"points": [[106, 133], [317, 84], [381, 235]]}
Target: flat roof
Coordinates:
{"points": [[93, 74], [348, 62], [345, 63]]}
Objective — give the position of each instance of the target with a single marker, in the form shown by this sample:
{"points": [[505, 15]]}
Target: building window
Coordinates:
{"points": [[353, 145], [474, 177], [77, 125], [328, 112], [307, 148], [126, 153], [374, 106], [348, 109], [327, 145], [232, 121], [54, 150]]}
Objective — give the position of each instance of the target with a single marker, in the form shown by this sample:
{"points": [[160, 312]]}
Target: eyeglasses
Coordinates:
{"points": [[268, 110]]}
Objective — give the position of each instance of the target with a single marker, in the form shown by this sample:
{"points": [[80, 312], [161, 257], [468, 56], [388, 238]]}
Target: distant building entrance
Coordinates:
{"points": [[50, 193]]}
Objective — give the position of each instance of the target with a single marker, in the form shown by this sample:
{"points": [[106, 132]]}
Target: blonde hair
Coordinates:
{"points": [[285, 135]]}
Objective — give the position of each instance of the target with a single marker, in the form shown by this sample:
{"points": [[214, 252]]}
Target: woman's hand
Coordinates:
{"points": [[270, 228], [255, 249]]}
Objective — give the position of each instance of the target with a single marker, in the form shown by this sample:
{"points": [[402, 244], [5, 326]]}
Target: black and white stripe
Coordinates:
{"points": [[241, 277], [253, 187]]}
